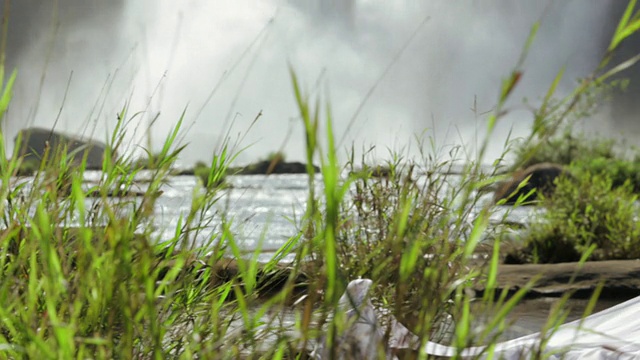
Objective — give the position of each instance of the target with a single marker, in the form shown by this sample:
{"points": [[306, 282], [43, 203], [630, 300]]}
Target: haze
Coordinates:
{"points": [[423, 64]]}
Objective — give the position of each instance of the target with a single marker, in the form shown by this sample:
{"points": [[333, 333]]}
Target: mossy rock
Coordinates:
{"points": [[541, 178]]}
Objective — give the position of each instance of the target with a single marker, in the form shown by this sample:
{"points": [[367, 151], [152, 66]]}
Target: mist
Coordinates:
{"points": [[391, 72]]}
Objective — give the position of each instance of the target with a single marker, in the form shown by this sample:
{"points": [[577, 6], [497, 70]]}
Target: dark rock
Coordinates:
{"points": [[199, 168], [95, 193], [35, 140], [542, 178], [381, 172], [185, 172], [267, 167]]}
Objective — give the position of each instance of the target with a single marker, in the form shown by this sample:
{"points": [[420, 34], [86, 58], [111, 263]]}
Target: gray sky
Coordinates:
{"points": [[226, 61]]}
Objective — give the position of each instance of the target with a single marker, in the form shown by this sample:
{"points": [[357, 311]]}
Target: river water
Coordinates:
{"points": [[264, 209]]}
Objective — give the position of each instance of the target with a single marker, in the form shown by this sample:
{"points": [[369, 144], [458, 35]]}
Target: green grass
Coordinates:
{"points": [[92, 279]]}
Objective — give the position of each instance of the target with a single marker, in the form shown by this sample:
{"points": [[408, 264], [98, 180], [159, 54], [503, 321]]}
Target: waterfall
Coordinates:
{"points": [[227, 61]]}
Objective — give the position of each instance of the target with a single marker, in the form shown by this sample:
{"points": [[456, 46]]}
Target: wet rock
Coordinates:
{"points": [[35, 142], [541, 177]]}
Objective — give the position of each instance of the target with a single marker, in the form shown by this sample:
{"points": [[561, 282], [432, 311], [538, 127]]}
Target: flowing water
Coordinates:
{"points": [[265, 210]]}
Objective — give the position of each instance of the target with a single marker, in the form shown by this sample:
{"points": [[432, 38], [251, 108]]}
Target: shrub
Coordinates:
{"points": [[592, 155], [402, 231], [387, 219], [276, 157], [203, 171], [564, 149], [27, 167], [585, 212], [150, 162], [620, 171]]}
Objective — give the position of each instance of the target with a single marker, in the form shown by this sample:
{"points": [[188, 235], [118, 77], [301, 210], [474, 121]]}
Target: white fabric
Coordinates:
{"points": [[610, 334], [362, 338]]}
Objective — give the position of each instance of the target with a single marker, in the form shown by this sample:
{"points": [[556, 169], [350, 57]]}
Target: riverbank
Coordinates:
{"points": [[619, 279]]}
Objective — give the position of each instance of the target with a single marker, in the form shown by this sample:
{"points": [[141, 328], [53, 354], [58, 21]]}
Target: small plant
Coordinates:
{"points": [[592, 155], [150, 162], [588, 217], [564, 149], [276, 157], [201, 170], [27, 167], [392, 229]]}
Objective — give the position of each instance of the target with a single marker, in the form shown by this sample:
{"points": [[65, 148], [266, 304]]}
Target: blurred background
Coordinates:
{"points": [[390, 71]]}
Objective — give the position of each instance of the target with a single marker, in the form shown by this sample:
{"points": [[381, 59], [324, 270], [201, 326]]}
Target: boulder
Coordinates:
{"points": [[541, 177], [35, 140]]}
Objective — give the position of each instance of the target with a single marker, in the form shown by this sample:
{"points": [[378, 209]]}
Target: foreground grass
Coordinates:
{"points": [[89, 277]]}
